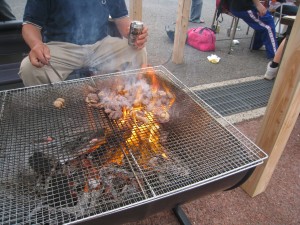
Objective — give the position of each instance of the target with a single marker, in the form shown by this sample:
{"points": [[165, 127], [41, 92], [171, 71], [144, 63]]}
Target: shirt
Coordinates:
{"points": [[75, 21], [240, 5]]}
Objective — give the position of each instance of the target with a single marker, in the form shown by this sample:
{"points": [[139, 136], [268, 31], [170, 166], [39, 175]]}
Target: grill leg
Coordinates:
{"points": [[181, 216]]}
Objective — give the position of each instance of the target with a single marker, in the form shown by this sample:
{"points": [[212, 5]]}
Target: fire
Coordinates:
{"points": [[145, 137], [141, 105]]}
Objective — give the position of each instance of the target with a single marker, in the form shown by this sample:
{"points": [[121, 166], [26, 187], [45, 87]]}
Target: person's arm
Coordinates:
{"points": [[260, 7], [39, 54], [123, 25]]}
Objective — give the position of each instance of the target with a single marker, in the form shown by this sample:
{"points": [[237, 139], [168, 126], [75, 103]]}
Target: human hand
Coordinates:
{"points": [[39, 55], [261, 9], [142, 39]]}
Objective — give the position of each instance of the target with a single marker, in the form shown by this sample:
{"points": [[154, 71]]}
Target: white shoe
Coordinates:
{"points": [[262, 48], [271, 72]]}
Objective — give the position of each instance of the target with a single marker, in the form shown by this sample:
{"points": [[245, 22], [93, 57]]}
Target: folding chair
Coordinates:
{"points": [[233, 26]]}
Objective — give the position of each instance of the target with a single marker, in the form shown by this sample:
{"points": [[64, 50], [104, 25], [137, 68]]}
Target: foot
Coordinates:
{"points": [[271, 72], [262, 48], [197, 21]]}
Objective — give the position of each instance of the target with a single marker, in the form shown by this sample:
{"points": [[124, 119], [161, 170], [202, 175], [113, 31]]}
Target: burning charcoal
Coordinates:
{"points": [[59, 193], [168, 170], [40, 164], [119, 183], [94, 183], [82, 143]]}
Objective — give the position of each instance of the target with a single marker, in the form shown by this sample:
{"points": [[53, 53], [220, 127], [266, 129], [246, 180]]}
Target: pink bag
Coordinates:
{"points": [[202, 38]]}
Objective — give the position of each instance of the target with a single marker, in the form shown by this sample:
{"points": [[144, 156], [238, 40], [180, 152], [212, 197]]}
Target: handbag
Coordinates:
{"points": [[202, 38]]}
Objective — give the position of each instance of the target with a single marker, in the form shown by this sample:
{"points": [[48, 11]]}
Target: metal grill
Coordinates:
{"points": [[48, 177]]}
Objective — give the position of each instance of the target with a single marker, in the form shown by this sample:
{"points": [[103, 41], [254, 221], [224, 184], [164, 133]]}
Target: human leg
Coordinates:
{"points": [[196, 10], [272, 67], [65, 58], [264, 27], [114, 54]]}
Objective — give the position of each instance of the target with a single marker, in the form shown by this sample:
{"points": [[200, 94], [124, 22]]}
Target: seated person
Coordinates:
{"points": [[72, 34], [272, 67], [261, 20], [5, 12]]}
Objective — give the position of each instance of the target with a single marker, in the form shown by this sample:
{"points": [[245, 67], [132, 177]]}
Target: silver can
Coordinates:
{"points": [[136, 28]]}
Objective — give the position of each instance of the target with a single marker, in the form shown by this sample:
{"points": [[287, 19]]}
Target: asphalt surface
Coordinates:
{"points": [[196, 69]]}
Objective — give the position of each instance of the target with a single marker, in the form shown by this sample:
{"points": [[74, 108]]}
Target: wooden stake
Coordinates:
{"points": [[136, 9], [181, 30], [282, 112]]}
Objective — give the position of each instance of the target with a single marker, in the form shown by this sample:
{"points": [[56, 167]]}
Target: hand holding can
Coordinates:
{"points": [[136, 28]]}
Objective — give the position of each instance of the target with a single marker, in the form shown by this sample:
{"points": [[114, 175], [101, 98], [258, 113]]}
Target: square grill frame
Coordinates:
{"points": [[212, 171]]}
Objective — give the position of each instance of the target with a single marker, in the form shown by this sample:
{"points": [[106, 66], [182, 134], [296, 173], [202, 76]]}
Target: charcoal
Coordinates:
{"points": [[40, 163]]}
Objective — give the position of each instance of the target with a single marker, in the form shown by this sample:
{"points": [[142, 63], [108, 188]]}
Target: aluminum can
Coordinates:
{"points": [[136, 28]]}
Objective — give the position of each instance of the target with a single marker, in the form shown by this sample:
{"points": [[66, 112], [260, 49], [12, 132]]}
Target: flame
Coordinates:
{"points": [[144, 136], [155, 84]]}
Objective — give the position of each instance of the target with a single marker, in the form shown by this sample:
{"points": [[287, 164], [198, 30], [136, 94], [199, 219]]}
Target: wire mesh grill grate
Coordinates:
{"points": [[62, 165]]}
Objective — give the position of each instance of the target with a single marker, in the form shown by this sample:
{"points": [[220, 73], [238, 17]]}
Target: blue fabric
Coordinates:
{"points": [[264, 29], [196, 9], [74, 21]]}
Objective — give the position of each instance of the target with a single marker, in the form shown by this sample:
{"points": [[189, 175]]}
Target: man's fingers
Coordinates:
{"points": [[47, 53], [36, 62]]}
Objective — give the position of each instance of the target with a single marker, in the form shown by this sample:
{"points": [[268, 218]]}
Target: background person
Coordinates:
{"points": [[272, 67], [72, 34], [196, 10], [260, 19]]}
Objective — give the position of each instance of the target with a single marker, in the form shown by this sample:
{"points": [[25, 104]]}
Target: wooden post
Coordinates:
{"points": [[281, 114], [136, 9], [181, 30]]}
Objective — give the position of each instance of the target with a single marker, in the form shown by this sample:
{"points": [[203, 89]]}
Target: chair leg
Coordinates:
{"points": [[252, 41], [247, 32], [213, 22], [231, 27], [232, 33]]}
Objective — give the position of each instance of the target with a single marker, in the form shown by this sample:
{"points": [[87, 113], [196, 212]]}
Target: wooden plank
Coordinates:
{"points": [[281, 114], [181, 30], [136, 10]]}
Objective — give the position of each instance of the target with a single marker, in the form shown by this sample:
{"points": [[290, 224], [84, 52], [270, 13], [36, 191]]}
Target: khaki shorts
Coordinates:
{"points": [[108, 55]]}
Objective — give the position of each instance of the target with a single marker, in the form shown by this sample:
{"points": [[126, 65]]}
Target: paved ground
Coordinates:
{"points": [[280, 203]]}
